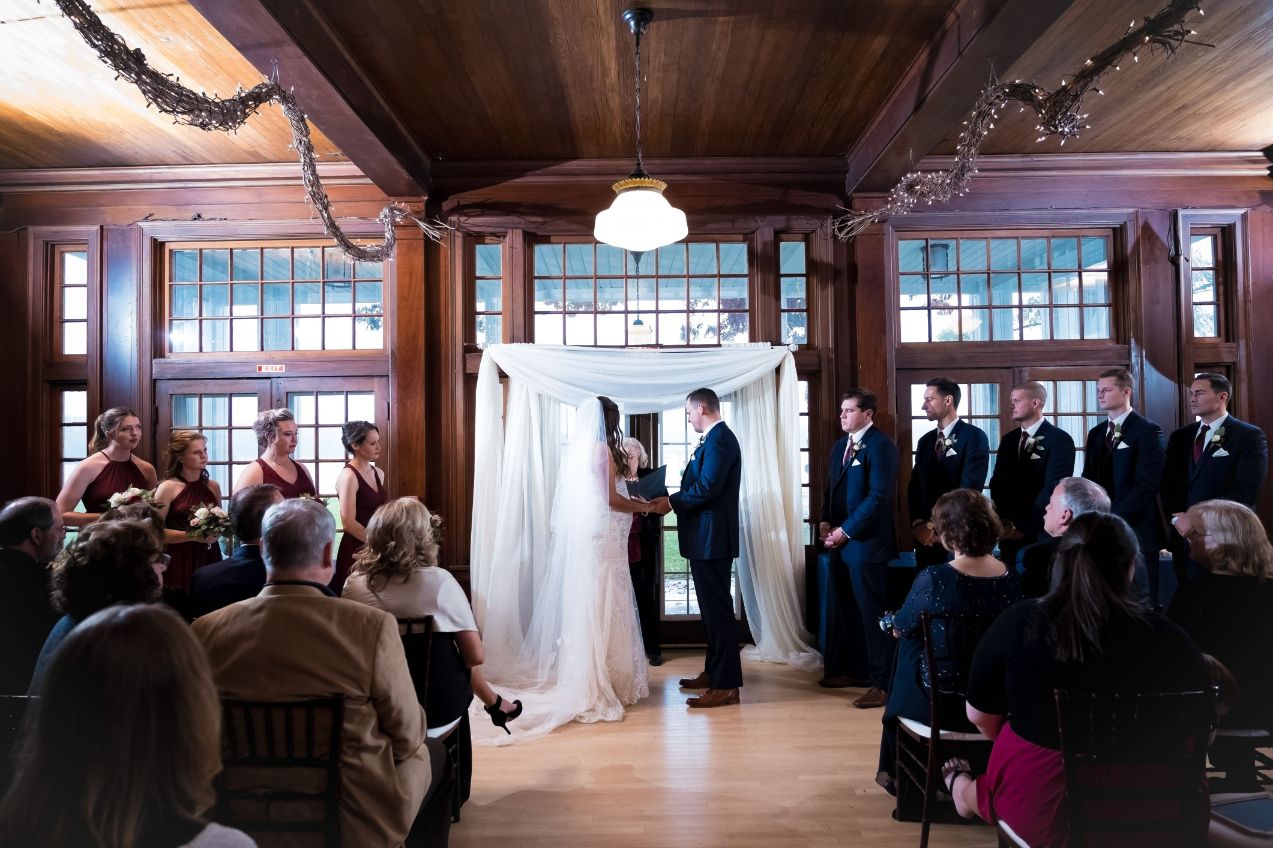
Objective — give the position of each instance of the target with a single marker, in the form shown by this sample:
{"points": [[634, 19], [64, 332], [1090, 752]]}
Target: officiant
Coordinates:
{"points": [[643, 561]]}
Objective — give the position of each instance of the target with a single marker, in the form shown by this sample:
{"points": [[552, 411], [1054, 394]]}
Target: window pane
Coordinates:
{"points": [[216, 265], [247, 263], [579, 330], [1202, 251], [976, 325], [672, 293], [278, 299], [367, 298], [339, 298], [1034, 253], [549, 329], [548, 260], [703, 293], [1065, 252], [1204, 321], [972, 254], [974, 289], [216, 411], [733, 328], [641, 294], [304, 406], [1034, 324], [243, 410], [941, 255], [793, 293], [610, 330], [369, 270], [185, 301], [610, 295], [944, 290], [548, 296], [672, 259], [74, 440], [309, 299], [610, 259], [340, 333], [733, 258], [489, 329], [489, 296], [488, 260], [245, 333], [914, 290], [733, 293], [910, 255], [1004, 325], [945, 325], [277, 263], [185, 266], [184, 337], [75, 406], [1003, 289], [309, 333], [369, 333], [673, 329], [1204, 287], [914, 326], [308, 263], [75, 338], [704, 328], [791, 258], [1065, 287], [216, 300], [579, 296], [360, 406], [1096, 322], [216, 336], [247, 300], [1065, 324], [1094, 253], [277, 334], [1034, 288], [1095, 287], [795, 329], [331, 408], [329, 446], [74, 303], [185, 412], [702, 258], [336, 266], [1003, 254]]}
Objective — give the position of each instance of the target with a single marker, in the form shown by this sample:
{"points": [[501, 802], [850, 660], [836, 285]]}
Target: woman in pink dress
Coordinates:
{"points": [[185, 488], [361, 489], [276, 437], [109, 469]]}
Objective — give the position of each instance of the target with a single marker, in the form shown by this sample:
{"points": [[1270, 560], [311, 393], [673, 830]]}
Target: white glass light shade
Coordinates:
{"points": [[640, 218]]}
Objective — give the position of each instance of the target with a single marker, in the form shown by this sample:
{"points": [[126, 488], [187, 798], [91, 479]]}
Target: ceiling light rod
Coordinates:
{"points": [[639, 218]]}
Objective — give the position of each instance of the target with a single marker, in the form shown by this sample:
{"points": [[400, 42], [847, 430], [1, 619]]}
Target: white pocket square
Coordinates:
{"points": [[1122, 446], [951, 452], [856, 463], [1221, 452], [1035, 456]]}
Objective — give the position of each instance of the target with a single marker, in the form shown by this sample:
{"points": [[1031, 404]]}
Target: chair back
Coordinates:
{"points": [[950, 641], [417, 644], [442, 679], [1135, 766], [281, 767], [13, 710]]}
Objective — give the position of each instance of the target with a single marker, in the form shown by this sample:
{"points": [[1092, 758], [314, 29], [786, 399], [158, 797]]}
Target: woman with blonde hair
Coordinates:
{"points": [[186, 488], [110, 468], [1229, 612], [276, 438], [123, 744], [397, 572]]}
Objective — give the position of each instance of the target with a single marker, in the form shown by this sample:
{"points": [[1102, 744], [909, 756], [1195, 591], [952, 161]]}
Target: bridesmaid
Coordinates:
{"points": [[185, 488], [361, 489], [109, 469], [276, 437]]}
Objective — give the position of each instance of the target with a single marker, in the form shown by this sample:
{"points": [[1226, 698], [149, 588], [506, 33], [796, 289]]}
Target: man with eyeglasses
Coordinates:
{"points": [[31, 534]]}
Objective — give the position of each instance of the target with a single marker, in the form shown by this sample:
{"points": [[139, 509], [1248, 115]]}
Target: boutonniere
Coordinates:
{"points": [[1034, 444], [1118, 433], [947, 444], [1217, 438]]}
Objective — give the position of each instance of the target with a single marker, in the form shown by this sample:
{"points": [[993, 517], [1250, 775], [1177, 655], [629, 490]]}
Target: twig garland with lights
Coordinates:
{"points": [[1059, 113], [166, 93]]}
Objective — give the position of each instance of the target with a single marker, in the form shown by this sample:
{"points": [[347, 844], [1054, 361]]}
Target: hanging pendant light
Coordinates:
{"points": [[640, 218]]}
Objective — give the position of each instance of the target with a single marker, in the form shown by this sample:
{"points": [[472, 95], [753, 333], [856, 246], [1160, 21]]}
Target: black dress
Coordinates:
{"points": [[938, 589]]}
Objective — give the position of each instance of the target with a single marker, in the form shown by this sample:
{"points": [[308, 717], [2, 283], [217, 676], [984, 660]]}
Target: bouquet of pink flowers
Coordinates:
{"points": [[133, 495], [209, 523]]}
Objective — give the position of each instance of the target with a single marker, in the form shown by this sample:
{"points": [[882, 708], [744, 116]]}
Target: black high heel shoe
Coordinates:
{"points": [[501, 717]]}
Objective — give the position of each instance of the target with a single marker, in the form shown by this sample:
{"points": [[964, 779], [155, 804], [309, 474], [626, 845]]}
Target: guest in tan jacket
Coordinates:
{"points": [[295, 640]]}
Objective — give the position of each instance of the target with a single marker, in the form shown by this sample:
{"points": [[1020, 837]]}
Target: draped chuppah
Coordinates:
{"points": [[518, 447]]}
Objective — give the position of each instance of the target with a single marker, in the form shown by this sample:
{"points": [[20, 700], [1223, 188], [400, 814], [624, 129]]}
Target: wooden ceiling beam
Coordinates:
{"points": [[329, 83], [940, 86]]}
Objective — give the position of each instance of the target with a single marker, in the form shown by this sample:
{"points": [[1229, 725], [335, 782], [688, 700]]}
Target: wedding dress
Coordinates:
{"points": [[582, 658]]}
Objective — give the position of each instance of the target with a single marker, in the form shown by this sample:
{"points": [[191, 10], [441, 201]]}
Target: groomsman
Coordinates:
{"points": [[1032, 459], [956, 455], [1218, 457], [1124, 454], [866, 538]]}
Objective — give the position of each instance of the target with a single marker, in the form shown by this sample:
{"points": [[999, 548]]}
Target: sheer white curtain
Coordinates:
{"points": [[519, 447]]}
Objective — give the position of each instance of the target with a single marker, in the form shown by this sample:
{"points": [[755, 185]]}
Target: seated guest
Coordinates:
{"points": [[110, 562], [242, 575], [295, 640], [974, 582], [31, 534], [398, 572], [1072, 497], [1229, 612], [1089, 633], [124, 743]]}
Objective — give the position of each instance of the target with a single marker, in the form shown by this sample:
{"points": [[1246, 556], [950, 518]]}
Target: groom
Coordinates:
{"points": [[707, 525]]}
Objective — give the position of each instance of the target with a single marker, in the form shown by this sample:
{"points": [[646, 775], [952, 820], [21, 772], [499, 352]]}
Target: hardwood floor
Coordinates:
{"points": [[793, 765]]}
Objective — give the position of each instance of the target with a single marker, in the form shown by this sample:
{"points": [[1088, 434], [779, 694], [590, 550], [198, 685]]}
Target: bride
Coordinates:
{"points": [[581, 658]]}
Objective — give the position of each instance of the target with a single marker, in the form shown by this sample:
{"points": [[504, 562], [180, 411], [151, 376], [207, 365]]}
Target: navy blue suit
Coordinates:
{"points": [[238, 578], [963, 466], [707, 529], [1022, 483], [1233, 470], [1131, 474], [869, 486]]}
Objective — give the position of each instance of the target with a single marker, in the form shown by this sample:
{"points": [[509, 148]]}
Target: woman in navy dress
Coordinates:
{"points": [[185, 488], [361, 489], [974, 582], [109, 469], [276, 437]]}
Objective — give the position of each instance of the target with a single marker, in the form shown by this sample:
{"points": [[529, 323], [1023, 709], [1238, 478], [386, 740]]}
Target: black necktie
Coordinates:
{"points": [[1025, 436], [849, 450], [1109, 437], [1200, 442], [940, 447]]}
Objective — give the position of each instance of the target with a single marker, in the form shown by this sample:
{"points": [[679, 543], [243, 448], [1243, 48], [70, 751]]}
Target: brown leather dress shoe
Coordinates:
{"points": [[872, 698], [700, 682], [714, 698]]}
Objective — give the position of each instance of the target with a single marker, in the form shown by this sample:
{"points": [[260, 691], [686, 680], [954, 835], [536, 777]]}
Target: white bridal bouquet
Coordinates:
{"points": [[133, 495], [208, 524]]}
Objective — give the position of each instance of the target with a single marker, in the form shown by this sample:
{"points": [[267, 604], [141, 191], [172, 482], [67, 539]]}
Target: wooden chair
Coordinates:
{"points": [[13, 710], [443, 686], [1135, 766], [282, 762], [922, 748]]}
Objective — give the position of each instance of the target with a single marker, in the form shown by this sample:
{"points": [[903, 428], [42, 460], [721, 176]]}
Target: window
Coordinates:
{"points": [[70, 270], [1072, 406], [793, 302], [805, 496], [677, 441], [319, 418], [1207, 281], [226, 420], [1005, 287], [73, 438], [272, 298], [682, 294], [488, 276], [978, 405]]}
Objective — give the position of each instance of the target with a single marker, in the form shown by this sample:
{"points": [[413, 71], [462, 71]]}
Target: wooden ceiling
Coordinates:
{"points": [[60, 107], [1202, 98], [401, 84]]}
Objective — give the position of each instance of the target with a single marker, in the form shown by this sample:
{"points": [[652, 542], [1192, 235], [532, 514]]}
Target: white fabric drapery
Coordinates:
{"points": [[518, 450]]}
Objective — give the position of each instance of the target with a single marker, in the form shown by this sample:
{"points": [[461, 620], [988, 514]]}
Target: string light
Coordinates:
{"points": [[1059, 113], [166, 93]]}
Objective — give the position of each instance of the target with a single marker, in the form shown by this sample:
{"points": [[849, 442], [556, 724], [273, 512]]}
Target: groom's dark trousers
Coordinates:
{"points": [[707, 528]]}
